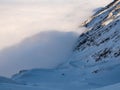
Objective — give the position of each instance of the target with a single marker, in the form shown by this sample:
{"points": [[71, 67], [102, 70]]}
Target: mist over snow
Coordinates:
{"points": [[44, 50], [40, 33]]}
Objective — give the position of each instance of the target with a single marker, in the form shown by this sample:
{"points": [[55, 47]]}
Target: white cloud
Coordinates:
{"points": [[23, 18], [20, 19], [44, 50]]}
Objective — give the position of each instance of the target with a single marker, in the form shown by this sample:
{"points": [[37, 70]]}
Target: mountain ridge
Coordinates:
{"points": [[95, 62], [95, 57]]}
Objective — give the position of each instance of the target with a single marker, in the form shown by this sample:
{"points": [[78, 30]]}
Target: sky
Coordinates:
{"points": [[22, 18], [49, 26]]}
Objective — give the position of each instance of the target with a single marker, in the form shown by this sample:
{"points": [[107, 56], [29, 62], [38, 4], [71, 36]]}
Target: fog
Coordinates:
{"points": [[22, 18], [49, 26]]}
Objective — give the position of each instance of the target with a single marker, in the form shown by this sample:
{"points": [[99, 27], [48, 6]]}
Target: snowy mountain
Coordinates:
{"points": [[94, 64], [99, 46]]}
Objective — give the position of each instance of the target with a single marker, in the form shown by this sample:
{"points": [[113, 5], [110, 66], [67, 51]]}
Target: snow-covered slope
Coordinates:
{"points": [[94, 64], [111, 87], [99, 47], [6, 80], [95, 61]]}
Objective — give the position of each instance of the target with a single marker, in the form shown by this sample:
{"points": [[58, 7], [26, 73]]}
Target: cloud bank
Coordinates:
{"points": [[50, 27], [44, 50], [20, 19]]}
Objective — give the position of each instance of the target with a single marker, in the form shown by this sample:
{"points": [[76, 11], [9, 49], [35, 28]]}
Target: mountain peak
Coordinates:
{"points": [[106, 14], [95, 61]]}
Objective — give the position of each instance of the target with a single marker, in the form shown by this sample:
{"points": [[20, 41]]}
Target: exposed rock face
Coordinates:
{"points": [[101, 44], [96, 58]]}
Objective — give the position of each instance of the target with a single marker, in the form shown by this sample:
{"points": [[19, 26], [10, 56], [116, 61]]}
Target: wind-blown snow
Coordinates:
{"points": [[20, 19]]}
